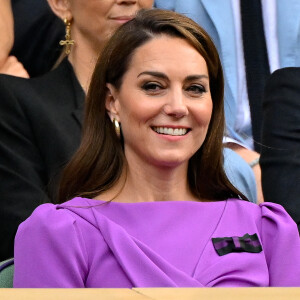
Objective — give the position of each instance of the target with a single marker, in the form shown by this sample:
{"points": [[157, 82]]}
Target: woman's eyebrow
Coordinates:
{"points": [[195, 77], [154, 73], [164, 76]]}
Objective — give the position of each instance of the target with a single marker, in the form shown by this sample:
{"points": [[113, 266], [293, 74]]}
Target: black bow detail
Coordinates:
{"points": [[246, 243]]}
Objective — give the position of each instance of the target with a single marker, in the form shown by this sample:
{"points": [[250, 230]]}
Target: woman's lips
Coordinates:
{"points": [[122, 19]]}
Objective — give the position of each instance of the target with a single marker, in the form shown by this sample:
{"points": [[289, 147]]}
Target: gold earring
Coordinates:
{"points": [[117, 127], [68, 41]]}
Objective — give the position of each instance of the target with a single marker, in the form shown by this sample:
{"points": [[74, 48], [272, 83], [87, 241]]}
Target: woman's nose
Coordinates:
{"points": [[176, 106]]}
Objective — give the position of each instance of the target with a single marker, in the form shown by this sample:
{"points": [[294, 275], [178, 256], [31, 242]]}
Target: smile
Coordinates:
{"points": [[171, 131], [122, 19]]}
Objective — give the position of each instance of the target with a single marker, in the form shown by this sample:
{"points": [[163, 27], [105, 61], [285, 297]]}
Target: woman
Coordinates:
{"points": [[40, 118], [153, 206]]}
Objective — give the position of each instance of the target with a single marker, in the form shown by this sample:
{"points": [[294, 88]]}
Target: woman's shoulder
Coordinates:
{"points": [[276, 219], [266, 212], [50, 216], [54, 224], [261, 208], [45, 216]]}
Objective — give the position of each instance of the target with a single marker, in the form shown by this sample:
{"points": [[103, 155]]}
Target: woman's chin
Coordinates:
{"points": [[170, 162]]}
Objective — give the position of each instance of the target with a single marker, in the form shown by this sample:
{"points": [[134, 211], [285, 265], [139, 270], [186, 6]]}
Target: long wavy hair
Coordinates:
{"points": [[99, 162]]}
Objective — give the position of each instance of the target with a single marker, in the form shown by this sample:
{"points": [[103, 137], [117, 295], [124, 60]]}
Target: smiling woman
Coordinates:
{"points": [[145, 90], [152, 206], [164, 112]]}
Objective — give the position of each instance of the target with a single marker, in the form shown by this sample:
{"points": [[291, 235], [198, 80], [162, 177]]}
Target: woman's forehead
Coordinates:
{"points": [[166, 53]]}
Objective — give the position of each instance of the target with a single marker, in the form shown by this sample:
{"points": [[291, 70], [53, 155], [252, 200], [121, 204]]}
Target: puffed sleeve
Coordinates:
{"points": [[281, 243], [50, 250]]}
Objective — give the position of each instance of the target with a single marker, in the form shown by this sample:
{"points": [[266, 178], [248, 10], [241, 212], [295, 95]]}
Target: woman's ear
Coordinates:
{"points": [[61, 8], [111, 102]]}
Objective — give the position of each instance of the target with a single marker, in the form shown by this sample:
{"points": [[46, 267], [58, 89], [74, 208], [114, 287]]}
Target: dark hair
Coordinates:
{"points": [[99, 161]]}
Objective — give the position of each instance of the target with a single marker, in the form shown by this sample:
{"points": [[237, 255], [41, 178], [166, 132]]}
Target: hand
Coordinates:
{"points": [[13, 67], [6, 30], [249, 156]]}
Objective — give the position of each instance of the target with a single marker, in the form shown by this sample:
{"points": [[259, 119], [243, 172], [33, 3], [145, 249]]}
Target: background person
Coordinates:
{"points": [[280, 158], [153, 206]]}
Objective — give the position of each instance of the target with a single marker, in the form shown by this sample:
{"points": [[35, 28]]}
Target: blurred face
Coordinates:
{"points": [[96, 20], [164, 104]]}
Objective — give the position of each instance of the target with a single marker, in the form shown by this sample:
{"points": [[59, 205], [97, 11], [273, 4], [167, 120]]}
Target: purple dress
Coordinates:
{"points": [[91, 243]]}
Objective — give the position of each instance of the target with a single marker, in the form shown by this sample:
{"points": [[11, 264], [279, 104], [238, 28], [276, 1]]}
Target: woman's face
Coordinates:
{"points": [[96, 20], [164, 103]]}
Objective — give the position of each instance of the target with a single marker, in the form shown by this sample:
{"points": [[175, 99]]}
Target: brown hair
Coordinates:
{"points": [[99, 161]]}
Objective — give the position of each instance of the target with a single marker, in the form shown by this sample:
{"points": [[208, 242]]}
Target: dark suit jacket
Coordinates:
{"points": [[280, 156], [40, 128]]}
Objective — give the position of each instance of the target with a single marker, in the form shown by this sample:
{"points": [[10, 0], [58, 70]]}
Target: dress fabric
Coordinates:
{"points": [[97, 244]]}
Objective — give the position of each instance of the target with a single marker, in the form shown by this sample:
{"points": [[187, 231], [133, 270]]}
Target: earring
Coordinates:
{"points": [[67, 42], [117, 127]]}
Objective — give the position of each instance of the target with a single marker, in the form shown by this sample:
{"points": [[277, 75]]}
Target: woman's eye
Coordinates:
{"points": [[151, 87], [196, 89]]}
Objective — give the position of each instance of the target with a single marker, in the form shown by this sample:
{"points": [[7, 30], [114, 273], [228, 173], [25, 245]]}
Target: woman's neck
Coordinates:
{"points": [[83, 59], [140, 183], [83, 69]]}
